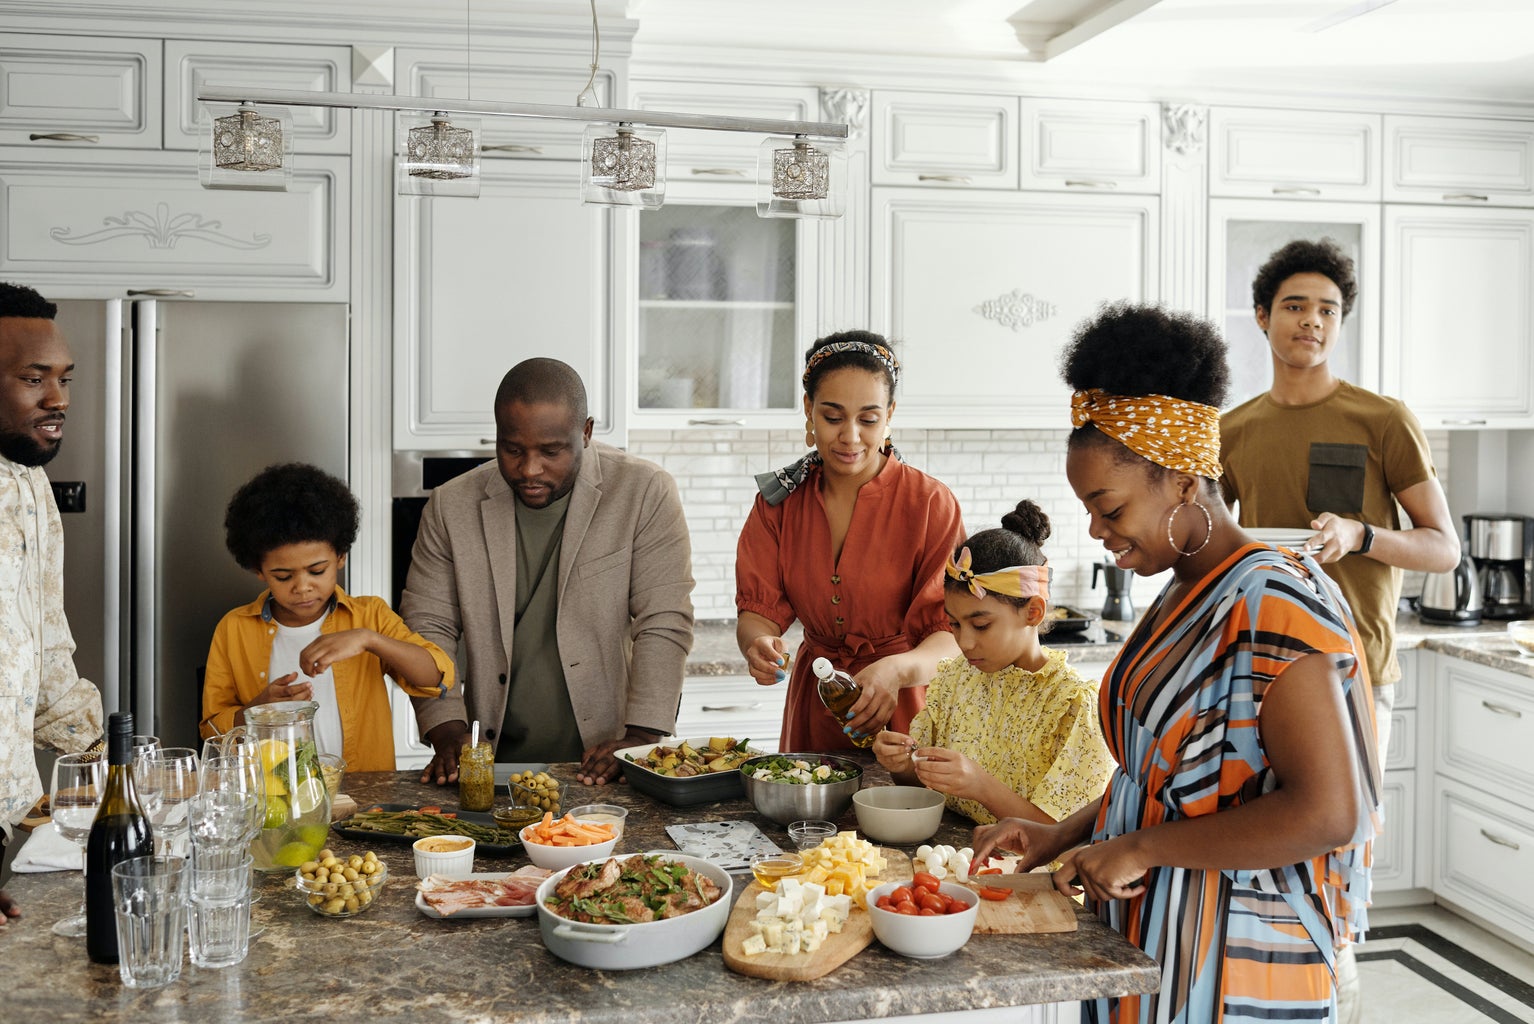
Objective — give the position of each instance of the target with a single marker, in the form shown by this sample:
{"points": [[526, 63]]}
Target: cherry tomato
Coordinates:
{"points": [[925, 880], [909, 909], [950, 905], [901, 894], [991, 892], [885, 903], [927, 912], [987, 871], [930, 901]]}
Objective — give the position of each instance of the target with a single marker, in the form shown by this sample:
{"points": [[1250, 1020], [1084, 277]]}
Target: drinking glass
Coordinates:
{"points": [[218, 916], [166, 779], [143, 746], [149, 895], [76, 793], [238, 773], [222, 819]]}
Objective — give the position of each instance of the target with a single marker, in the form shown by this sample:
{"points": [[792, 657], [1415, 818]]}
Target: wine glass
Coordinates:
{"points": [[77, 783], [143, 746], [166, 779]]}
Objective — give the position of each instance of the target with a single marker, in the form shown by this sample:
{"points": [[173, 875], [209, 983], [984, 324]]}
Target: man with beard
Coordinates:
{"points": [[43, 700], [566, 570]]}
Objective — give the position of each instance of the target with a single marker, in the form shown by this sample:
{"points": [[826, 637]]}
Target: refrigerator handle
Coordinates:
{"points": [[145, 617], [113, 693]]}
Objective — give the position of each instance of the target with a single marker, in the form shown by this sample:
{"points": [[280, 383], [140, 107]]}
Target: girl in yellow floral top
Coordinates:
{"points": [[1009, 730]]}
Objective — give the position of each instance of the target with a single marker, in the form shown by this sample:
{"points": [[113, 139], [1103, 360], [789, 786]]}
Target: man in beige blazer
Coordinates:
{"points": [[565, 570]]}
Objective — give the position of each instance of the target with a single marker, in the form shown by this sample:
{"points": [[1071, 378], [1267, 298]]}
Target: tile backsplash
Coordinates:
{"points": [[989, 471]]}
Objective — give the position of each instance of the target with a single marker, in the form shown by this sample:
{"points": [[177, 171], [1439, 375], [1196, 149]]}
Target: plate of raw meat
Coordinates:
{"points": [[482, 894]]}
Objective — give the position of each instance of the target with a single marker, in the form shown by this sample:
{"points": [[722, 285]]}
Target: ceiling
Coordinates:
{"points": [[1475, 50]]}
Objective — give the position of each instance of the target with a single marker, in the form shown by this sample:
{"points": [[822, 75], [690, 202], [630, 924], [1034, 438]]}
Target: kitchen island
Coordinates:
{"points": [[393, 963]]}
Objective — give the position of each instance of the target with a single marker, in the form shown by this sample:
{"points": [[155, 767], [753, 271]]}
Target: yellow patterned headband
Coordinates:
{"points": [[1013, 581], [1170, 432]]}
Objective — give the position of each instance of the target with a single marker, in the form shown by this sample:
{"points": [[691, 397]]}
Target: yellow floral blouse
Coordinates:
{"points": [[1037, 732]]}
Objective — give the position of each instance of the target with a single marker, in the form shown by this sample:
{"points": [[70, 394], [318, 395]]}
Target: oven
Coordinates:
{"points": [[414, 476]]}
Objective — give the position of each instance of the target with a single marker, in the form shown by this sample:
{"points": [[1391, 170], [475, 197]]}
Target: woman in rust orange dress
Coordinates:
{"points": [[851, 542]]}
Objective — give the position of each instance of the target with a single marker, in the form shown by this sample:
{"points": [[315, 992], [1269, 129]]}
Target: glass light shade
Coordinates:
{"points": [[242, 147], [801, 177], [623, 166], [439, 157]]}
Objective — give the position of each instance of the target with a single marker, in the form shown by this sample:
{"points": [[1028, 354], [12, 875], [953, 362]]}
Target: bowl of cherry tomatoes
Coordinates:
{"points": [[925, 917]]}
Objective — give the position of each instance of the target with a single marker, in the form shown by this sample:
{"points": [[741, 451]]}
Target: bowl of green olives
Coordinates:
{"points": [[537, 789], [334, 886]]}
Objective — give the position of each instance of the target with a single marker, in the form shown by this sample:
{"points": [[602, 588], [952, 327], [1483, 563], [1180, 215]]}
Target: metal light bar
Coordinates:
{"points": [[552, 111]]}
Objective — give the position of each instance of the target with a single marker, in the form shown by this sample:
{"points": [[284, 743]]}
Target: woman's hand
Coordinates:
{"points": [[950, 772], [893, 749], [767, 660], [1110, 870], [874, 708], [1038, 843]]}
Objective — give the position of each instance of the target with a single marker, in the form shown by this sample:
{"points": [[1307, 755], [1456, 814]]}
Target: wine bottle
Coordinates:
{"points": [[838, 692], [119, 832]]}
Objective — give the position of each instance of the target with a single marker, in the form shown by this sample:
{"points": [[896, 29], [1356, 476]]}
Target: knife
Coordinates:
{"points": [[1016, 880]]}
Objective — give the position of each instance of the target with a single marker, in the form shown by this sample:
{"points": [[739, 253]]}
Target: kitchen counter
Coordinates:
{"points": [[394, 964], [1484, 644]]}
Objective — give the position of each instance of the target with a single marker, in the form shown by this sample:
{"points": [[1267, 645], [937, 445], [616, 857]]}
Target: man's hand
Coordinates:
{"points": [[446, 738], [599, 767], [8, 908]]}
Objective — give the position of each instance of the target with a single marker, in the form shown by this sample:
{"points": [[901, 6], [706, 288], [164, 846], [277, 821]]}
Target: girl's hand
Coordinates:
{"points": [[767, 660], [876, 705], [326, 650], [1038, 843], [950, 772], [1110, 870], [893, 749]]}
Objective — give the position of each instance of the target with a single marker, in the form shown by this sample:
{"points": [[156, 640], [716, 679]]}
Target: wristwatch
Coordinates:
{"points": [[1367, 543]]}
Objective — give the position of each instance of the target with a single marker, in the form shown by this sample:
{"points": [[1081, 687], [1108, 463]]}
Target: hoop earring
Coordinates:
{"points": [[888, 445], [1208, 528], [809, 433]]}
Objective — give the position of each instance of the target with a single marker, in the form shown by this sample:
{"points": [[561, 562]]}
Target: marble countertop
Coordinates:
{"points": [[395, 964]]}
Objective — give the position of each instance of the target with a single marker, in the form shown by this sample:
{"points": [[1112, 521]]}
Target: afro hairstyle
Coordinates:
{"points": [[291, 503], [1303, 256]]}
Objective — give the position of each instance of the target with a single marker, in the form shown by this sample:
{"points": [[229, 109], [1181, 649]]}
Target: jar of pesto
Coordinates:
{"points": [[476, 777]]}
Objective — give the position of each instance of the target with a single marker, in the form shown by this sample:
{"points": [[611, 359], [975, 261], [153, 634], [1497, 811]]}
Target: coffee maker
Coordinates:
{"points": [[1118, 607], [1502, 548]]}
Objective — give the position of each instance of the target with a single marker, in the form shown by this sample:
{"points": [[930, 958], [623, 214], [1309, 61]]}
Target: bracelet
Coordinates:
{"points": [[1366, 543], [99, 746]]}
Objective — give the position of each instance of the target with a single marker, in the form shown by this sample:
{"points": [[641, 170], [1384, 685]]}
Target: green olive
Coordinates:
{"points": [[334, 905]]}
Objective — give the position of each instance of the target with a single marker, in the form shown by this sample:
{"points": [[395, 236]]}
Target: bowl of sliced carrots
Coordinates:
{"points": [[559, 843]]}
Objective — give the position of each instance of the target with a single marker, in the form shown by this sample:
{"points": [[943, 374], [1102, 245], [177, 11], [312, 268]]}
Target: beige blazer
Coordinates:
{"points": [[624, 624]]}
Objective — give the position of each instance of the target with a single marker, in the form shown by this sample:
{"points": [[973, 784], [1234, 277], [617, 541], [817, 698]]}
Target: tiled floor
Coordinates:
{"points": [[1411, 977]]}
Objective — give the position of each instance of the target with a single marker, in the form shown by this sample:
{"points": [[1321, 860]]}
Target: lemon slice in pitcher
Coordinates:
{"points": [[307, 796]]}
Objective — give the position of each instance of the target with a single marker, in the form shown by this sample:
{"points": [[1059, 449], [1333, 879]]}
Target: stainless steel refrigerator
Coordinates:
{"points": [[175, 404]]}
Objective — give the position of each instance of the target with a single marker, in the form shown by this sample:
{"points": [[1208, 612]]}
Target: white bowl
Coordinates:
{"points": [[455, 858], [923, 937], [898, 814], [1521, 633], [557, 858]]}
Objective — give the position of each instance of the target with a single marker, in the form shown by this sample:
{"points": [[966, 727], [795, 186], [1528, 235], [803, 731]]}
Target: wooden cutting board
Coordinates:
{"points": [[1036, 906], [856, 935]]}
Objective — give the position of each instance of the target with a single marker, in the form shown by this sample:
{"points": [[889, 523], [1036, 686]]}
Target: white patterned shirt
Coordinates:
{"points": [[43, 700]]}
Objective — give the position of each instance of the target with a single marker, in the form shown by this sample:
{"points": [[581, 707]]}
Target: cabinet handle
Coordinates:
{"points": [[722, 172], [509, 147], [716, 423], [164, 293], [1464, 423], [1295, 190], [732, 707], [1499, 840], [62, 137], [1501, 709], [1469, 197], [961, 179], [487, 440], [1091, 184]]}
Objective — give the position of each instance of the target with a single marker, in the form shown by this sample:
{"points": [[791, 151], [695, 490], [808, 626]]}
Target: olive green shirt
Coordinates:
{"points": [[540, 722]]}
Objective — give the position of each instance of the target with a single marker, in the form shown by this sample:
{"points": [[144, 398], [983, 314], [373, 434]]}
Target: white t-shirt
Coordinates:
{"points": [[291, 640]]}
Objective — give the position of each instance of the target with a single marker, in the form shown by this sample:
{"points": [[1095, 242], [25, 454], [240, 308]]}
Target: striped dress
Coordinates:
{"points": [[1180, 708]]}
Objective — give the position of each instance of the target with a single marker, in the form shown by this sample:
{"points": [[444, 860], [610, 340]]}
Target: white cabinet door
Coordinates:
{"points": [[1243, 233], [952, 139], [1394, 860], [524, 270], [73, 224], [734, 706], [1457, 160], [1303, 154], [1485, 732], [699, 163], [1083, 145], [524, 78], [980, 291], [192, 65], [1457, 315], [79, 91], [1483, 856]]}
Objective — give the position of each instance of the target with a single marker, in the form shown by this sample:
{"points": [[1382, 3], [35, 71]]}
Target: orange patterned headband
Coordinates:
{"points": [[1170, 432], [1013, 581]]}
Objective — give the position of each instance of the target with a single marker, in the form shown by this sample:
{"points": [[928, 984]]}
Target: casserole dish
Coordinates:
{"points": [[626, 947], [679, 791]]}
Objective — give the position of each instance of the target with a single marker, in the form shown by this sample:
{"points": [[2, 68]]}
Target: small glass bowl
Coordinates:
{"points": [[771, 868], [354, 897], [806, 835], [514, 816], [525, 796], [609, 814], [332, 768]]}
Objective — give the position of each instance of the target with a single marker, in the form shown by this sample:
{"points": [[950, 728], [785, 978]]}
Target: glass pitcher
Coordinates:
{"points": [[297, 801]]}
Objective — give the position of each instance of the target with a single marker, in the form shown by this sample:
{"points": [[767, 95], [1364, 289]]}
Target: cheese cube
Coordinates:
{"points": [[787, 886], [841, 904], [834, 886], [766, 899], [793, 942], [812, 891], [773, 933], [790, 905], [753, 945], [831, 919], [767, 914], [757, 926], [810, 944]]}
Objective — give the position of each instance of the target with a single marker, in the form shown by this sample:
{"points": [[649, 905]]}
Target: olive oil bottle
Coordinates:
{"points": [[838, 692], [119, 832]]}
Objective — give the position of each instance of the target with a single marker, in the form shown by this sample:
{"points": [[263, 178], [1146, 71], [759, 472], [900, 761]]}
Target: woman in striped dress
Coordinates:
{"points": [[1232, 843]]}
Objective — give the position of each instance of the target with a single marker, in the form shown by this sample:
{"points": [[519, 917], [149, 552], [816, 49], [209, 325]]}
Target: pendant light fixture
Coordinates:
{"points": [[798, 177], [242, 148], [625, 166], [440, 156]]}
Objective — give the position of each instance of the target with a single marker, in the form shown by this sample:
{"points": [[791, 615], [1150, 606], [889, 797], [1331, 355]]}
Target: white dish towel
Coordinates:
{"points": [[46, 850]]}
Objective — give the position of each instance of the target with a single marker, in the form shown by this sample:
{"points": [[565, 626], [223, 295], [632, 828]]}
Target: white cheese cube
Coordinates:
{"points": [[767, 915], [810, 944], [841, 904], [788, 886], [831, 919], [812, 891], [766, 899], [773, 933], [793, 943], [790, 905], [753, 945], [757, 926], [811, 912]]}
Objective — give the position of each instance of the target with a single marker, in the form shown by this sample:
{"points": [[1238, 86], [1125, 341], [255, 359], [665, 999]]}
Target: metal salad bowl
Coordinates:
{"points": [[786, 802]]}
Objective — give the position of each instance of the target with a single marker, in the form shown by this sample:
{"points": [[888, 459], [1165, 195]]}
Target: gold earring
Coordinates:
{"points": [[809, 433]]}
